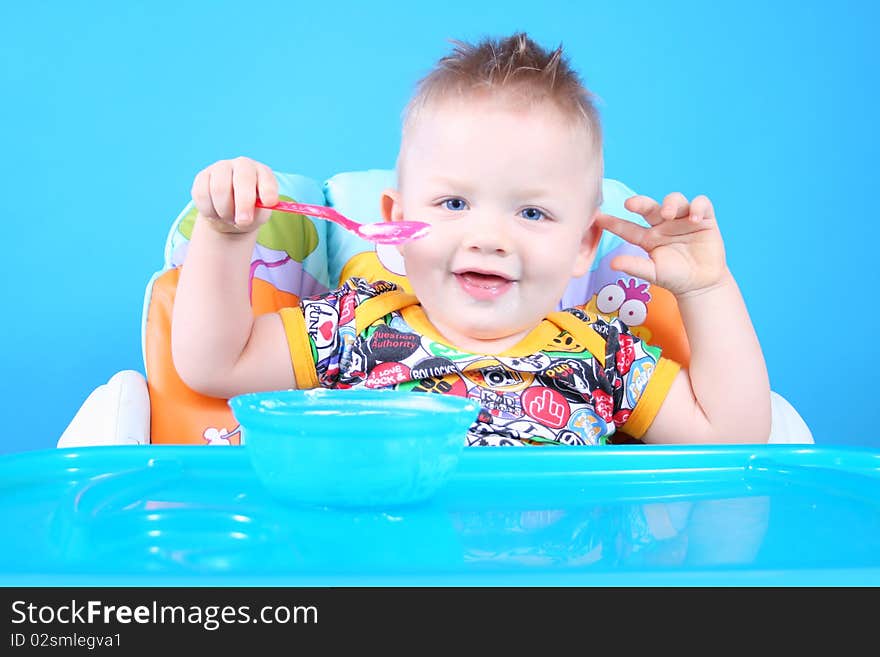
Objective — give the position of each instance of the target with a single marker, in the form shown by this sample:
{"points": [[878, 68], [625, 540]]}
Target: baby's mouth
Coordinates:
{"points": [[482, 285], [480, 279]]}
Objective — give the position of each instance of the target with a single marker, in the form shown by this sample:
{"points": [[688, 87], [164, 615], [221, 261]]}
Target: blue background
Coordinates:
{"points": [[109, 109]]}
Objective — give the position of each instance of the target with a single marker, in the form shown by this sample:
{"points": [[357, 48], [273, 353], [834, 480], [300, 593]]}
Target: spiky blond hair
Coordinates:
{"points": [[518, 70]]}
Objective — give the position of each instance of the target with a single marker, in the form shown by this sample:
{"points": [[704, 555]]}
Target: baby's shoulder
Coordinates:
{"points": [[584, 324], [354, 289], [605, 326], [369, 289]]}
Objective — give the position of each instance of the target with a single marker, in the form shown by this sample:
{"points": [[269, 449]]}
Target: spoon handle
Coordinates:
{"points": [[312, 210], [381, 232]]}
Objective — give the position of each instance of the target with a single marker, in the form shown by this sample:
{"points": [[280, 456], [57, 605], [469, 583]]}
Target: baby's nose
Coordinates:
{"points": [[488, 233]]}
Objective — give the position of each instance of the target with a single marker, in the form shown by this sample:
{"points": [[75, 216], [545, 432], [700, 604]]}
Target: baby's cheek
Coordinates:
{"points": [[431, 246]]}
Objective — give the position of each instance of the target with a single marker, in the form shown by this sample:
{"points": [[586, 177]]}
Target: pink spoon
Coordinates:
{"points": [[383, 232]]}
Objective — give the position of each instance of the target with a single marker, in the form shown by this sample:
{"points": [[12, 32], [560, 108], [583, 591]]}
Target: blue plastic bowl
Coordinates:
{"points": [[353, 448]]}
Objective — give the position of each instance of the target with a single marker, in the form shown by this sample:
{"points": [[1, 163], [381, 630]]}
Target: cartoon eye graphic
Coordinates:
{"points": [[632, 312], [609, 298]]}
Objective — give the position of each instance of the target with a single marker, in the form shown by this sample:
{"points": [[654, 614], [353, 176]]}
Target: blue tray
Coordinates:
{"points": [[627, 515]]}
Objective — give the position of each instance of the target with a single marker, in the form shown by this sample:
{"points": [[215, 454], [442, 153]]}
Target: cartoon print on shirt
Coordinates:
{"points": [[547, 406], [347, 337], [483, 434], [433, 368], [448, 384], [589, 426], [398, 323], [389, 344], [628, 301], [531, 399], [491, 373], [499, 404], [641, 373], [447, 351], [531, 433], [528, 363], [573, 379]]}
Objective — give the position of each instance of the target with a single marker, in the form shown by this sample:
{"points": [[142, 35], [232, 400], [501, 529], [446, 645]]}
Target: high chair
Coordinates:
{"points": [[299, 256]]}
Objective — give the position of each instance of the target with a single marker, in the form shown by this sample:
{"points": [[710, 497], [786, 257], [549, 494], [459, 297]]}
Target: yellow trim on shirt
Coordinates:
{"points": [[415, 316], [536, 340], [372, 309], [582, 332], [652, 398], [300, 349]]}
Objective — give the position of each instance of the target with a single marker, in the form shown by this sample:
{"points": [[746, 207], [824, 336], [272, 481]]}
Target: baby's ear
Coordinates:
{"points": [[587, 250], [392, 210]]}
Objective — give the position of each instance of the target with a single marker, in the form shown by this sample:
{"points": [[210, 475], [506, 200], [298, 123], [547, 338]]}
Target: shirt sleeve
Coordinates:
{"points": [[636, 377], [322, 332]]}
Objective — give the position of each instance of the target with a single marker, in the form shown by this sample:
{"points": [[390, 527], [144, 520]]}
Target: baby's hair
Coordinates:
{"points": [[516, 67]]}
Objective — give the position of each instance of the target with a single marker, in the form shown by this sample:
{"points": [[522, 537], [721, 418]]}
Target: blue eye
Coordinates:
{"points": [[455, 204], [532, 214]]}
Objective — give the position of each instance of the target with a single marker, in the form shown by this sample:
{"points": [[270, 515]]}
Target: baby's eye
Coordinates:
{"points": [[455, 204], [532, 214]]}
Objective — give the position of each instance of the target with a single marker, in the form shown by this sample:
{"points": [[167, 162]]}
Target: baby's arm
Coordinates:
{"points": [[218, 347], [724, 395]]}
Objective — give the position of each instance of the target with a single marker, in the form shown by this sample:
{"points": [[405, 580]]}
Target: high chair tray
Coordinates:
{"points": [[629, 515]]}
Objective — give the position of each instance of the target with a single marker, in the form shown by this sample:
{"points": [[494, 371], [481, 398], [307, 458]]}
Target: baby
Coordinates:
{"points": [[501, 153]]}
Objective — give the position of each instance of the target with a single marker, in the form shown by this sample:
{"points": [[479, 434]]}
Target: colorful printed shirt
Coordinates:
{"points": [[574, 380]]}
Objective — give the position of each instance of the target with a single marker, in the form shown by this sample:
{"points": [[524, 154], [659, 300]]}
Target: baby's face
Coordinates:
{"points": [[510, 195]]}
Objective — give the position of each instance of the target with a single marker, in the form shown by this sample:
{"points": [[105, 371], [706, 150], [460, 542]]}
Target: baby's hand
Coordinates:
{"points": [[226, 193], [684, 244]]}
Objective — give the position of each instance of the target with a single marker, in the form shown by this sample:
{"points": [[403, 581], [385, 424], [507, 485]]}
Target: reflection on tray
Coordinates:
{"points": [[196, 513], [250, 534]]}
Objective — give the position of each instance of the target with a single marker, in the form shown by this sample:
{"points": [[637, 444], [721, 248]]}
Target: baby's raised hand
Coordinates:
{"points": [[683, 241], [226, 192]]}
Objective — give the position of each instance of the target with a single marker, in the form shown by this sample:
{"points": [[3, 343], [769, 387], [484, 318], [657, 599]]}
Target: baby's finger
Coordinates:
{"points": [[629, 231], [675, 206], [267, 185], [701, 208], [645, 206], [201, 194], [634, 266], [221, 191], [244, 186]]}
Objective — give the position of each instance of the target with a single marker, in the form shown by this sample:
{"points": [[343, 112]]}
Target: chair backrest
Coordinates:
{"points": [[299, 256]]}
